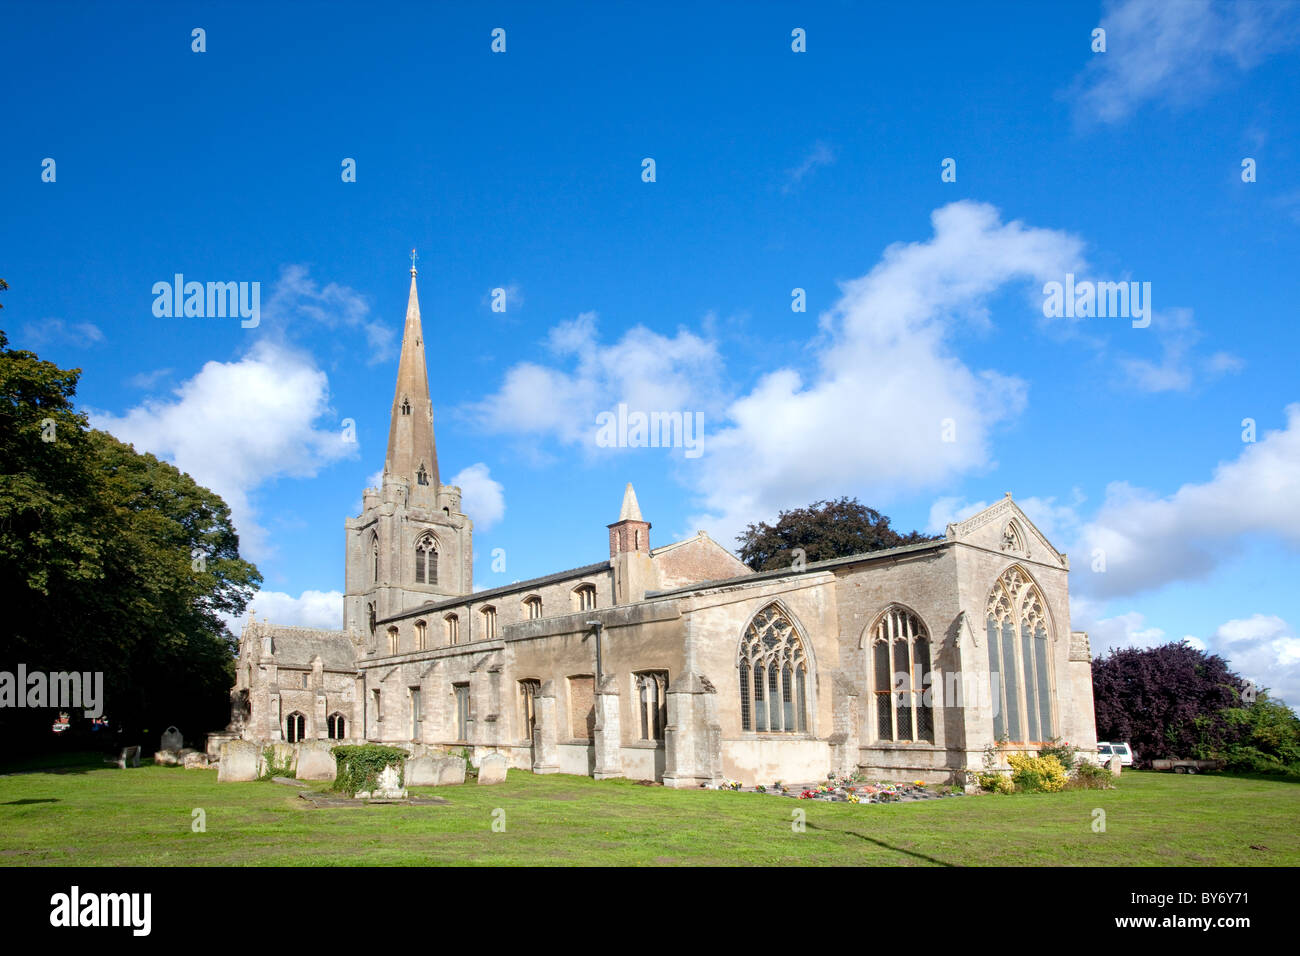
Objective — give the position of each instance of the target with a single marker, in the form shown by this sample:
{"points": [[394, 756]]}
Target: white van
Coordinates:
{"points": [[1107, 750]]}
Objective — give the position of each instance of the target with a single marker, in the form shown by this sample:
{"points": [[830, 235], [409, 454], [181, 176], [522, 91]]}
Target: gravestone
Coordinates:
{"points": [[239, 761], [196, 760], [422, 772], [389, 786], [315, 762], [1115, 766], [492, 769], [171, 740], [165, 758], [451, 771]]}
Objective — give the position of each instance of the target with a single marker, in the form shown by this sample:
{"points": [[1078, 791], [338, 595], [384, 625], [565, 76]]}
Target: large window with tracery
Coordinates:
{"points": [[1020, 660], [773, 676], [900, 665]]}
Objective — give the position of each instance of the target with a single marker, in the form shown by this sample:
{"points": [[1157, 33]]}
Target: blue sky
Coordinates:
{"points": [[775, 170]]}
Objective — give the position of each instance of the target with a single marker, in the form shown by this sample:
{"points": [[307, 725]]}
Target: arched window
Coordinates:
{"points": [[422, 476], [489, 623], [426, 560], [773, 676], [406, 407], [1020, 660], [337, 727], [392, 640], [452, 624], [1012, 539], [533, 607], [370, 617], [295, 727], [421, 636], [900, 667], [374, 558], [584, 597]]}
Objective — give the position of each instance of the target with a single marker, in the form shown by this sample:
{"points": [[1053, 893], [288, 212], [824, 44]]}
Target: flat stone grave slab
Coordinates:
{"points": [[332, 801]]}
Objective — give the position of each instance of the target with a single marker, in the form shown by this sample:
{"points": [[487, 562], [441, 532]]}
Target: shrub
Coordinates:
{"points": [[1062, 751], [359, 765], [995, 782], [1089, 776], [274, 769], [1036, 774]]}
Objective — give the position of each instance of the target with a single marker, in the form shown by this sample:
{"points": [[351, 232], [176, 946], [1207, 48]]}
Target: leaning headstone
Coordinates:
{"points": [[239, 761], [171, 739], [315, 762], [1115, 766], [422, 772], [492, 769], [451, 771]]}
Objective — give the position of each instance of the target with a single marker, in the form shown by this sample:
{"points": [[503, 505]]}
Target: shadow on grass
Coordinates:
{"points": [[882, 844], [25, 802]]}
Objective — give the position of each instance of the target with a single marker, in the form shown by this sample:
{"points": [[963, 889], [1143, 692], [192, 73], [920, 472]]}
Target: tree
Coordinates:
{"points": [[111, 561], [824, 529], [1166, 701]]}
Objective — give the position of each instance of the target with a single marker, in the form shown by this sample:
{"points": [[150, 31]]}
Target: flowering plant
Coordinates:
{"points": [[806, 795]]}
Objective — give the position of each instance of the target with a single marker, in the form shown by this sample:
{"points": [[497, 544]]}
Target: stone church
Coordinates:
{"points": [[675, 662]]}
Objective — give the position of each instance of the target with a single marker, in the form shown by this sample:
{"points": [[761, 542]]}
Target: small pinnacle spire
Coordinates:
{"points": [[413, 258], [631, 510]]}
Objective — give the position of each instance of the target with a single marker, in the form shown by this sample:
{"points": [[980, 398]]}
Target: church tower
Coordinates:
{"points": [[411, 544]]}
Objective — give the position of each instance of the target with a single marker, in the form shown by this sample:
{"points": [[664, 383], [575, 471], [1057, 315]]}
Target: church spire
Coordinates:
{"points": [[412, 454]]}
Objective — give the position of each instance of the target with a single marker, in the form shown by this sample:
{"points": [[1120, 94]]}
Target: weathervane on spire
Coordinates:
{"points": [[413, 258]]}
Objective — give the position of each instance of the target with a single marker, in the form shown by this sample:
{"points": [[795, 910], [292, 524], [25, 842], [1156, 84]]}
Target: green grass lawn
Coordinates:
{"points": [[109, 817]]}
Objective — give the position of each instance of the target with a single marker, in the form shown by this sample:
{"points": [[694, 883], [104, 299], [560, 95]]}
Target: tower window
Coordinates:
{"points": [[422, 476], [406, 407], [426, 561]]}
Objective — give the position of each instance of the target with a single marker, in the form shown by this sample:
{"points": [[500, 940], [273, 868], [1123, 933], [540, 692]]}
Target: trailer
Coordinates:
{"points": [[1180, 765]]}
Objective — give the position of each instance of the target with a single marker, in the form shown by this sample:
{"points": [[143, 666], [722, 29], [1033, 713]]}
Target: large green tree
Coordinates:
{"points": [[110, 561], [824, 529]]}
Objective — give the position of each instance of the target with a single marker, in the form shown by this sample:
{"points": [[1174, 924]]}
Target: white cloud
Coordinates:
{"points": [[236, 425], [1179, 367], [1158, 50], [58, 332], [296, 297], [147, 380], [1265, 649], [869, 420], [1150, 541], [322, 609], [820, 155], [482, 497], [647, 370]]}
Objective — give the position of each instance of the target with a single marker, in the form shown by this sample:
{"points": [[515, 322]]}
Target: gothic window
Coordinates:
{"points": [[773, 675], [489, 623], [528, 691], [374, 558], [392, 640], [416, 714], [421, 636], [900, 665], [651, 701], [1020, 660], [295, 727], [406, 407], [370, 617], [533, 607], [584, 597], [337, 727], [426, 560], [452, 623], [422, 476]]}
